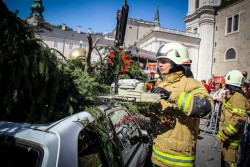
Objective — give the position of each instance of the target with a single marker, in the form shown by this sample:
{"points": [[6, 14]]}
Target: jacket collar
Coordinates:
{"points": [[173, 77]]}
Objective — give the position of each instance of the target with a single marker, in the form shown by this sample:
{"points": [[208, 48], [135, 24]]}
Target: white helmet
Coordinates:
{"points": [[234, 78], [175, 52]]}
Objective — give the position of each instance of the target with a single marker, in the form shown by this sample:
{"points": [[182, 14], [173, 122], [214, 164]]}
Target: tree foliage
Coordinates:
{"points": [[36, 85]]}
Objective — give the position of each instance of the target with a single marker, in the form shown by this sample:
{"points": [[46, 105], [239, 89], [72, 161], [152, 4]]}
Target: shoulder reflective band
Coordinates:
{"points": [[234, 110], [232, 130], [198, 90], [173, 159], [183, 101]]}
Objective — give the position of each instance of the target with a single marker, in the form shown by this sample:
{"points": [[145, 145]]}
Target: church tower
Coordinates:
{"points": [[157, 19], [200, 19], [36, 15]]}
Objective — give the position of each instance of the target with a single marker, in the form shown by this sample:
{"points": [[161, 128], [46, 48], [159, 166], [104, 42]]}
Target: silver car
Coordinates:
{"points": [[114, 139]]}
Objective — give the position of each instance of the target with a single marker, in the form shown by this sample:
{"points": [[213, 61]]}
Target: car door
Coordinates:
{"points": [[133, 150]]}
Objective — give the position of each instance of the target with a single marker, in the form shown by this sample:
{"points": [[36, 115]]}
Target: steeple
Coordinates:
{"points": [[157, 19], [36, 15]]}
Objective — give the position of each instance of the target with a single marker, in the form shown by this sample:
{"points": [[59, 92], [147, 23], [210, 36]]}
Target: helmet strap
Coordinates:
{"points": [[234, 89]]}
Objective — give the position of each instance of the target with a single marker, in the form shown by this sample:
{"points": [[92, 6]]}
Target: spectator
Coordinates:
{"points": [[208, 87], [218, 95], [224, 90], [211, 82], [245, 88], [244, 73]]}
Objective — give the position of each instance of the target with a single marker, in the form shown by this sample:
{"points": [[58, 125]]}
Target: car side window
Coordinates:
{"points": [[14, 154], [126, 130]]}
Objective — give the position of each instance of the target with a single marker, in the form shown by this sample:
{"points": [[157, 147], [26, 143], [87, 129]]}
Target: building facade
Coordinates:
{"points": [[217, 36], [232, 37]]}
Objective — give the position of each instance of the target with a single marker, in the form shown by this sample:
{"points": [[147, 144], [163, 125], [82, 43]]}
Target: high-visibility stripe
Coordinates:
{"points": [[185, 98], [184, 101], [179, 103], [233, 164], [198, 90], [219, 135], [235, 142], [173, 159], [187, 103], [235, 110], [231, 129]]}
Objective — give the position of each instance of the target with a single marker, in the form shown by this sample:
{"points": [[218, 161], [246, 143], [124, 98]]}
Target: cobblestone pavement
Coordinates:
{"points": [[207, 150]]}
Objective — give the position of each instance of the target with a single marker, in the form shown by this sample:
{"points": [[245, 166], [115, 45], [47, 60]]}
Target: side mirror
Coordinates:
{"points": [[145, 137]]}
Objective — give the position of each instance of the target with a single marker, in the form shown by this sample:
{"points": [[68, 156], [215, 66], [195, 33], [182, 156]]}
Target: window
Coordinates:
{"points": [[195, 30], [197, 4], [216, 28], [232, 24], [71, 45], [55, 44], [231, 54], [215, 44], [17, 154]]}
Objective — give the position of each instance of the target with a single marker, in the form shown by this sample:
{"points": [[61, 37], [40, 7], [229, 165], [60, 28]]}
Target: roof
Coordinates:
{"points": [[145, 54], [72, 35]]}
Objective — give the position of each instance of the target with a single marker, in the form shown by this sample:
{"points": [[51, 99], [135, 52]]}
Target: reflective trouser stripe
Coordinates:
{"points": [[184, 101], [233, 165], [219, 135], [231, 129], [234, 143], [235, 110], [173, 159]]}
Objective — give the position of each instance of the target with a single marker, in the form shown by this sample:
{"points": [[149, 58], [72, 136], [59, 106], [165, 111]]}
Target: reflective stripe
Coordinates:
{"points": [[231, 129], [179, 103], [184, 101], [198, 90], [235, 110], [232, 164], [187, 103], [173, 159], [234, 142], [219, 135], [185, 98]]}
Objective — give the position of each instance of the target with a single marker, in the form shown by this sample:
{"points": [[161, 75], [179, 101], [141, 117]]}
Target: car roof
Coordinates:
{"points": [[56, 138], [14, 127]]}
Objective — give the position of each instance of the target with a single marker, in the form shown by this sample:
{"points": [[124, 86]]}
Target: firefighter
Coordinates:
{"points": [[185, 100], [233, 118]]}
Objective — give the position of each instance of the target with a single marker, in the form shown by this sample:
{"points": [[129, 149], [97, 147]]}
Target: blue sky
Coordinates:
{"points": [[100, 15]]}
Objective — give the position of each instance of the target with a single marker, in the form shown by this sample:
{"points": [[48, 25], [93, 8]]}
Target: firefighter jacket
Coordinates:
{"points": [[188, 101], [233, 118]]}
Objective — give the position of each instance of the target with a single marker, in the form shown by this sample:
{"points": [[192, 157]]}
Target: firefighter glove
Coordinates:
{"points": [[161, 91]]}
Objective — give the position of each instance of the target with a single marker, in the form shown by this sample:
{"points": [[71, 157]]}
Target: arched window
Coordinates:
{"points": [[231, 54]]}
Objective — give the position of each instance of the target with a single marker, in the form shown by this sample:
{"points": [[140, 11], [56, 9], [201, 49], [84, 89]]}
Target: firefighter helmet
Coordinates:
{"points": [[234, 78], [175, 52]]}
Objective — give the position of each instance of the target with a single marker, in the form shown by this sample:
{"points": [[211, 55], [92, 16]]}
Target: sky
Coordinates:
{"points": [[100, 15]]}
